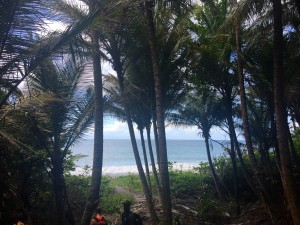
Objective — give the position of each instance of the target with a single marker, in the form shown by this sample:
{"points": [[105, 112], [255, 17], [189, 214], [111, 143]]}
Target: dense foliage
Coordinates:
{"points": [[216, 63]]}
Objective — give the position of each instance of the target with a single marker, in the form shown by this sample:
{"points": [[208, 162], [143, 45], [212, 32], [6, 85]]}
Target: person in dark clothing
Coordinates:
{"points": [[128, 217]]}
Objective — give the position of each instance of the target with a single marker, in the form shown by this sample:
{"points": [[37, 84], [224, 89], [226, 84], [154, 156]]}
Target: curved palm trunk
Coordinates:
{"points": [[148, 196], [155, 175], [212, 169], [287, 177], [265, 192], [146, 160], [156, 139], [93, 197], [232, 135], [235, 177], [163, 156], [243, 100]]}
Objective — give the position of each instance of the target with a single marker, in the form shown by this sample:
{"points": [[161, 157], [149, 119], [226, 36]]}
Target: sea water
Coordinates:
{"points": [[118, 157]]}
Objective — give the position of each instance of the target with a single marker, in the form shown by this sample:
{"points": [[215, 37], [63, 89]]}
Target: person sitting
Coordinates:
{"points": [[99, 219], [128, 217]]}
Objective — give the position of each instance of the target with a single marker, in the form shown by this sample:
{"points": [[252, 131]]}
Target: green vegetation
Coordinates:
{"points": [[230, 65]]}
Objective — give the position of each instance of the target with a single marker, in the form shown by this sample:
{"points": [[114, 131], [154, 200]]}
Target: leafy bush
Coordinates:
{"points": [[111, 202], [130, 181], [78, 190], [184, 182]]}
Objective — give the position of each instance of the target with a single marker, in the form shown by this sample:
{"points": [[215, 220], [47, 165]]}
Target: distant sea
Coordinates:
{"points": [[118, 156]]}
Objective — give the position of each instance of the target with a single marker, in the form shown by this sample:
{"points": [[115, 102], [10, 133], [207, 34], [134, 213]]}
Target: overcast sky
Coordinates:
{"points": [[114, 129]]}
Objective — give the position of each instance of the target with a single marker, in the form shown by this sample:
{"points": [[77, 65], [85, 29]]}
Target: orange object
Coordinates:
{"points": [[101, 220]]}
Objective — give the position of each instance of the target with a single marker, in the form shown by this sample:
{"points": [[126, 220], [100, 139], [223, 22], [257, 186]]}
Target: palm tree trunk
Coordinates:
{"points": [[232, 134], [156, 139], [265, 189], [243, 100], [155, 175], [235, 176], [96, 178], [58, 179], [145, 160], [212, 169], [148, 196], [164, 172], [57, 172], [287, 177]]}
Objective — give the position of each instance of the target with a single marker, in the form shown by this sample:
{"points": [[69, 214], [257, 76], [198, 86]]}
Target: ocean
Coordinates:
{"points": [[118, 156]]}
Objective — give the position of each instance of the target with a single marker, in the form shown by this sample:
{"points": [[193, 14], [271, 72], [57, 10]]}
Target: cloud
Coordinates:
{"points": [[114, 129]]}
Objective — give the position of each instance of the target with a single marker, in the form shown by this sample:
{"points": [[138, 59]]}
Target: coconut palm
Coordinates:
{"points": [[67, 118], [287, 177], [22, 48], [264, 20], [159, 104], [127, 107], [203, 109], [75, 11], [212, 65], [56, 118]]}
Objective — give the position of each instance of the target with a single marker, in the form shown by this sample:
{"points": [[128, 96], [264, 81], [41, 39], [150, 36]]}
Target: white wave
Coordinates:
{"points": [[124, 170]]}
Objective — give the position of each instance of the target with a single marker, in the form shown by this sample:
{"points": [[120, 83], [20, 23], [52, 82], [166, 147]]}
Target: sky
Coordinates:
{"points": [[114, 129]]}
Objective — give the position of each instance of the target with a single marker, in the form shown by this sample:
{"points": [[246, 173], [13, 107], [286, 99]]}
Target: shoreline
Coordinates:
{"points": [[116, 171]]}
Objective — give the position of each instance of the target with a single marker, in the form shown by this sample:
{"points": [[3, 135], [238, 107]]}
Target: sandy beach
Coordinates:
{"points": [[115, 171]]}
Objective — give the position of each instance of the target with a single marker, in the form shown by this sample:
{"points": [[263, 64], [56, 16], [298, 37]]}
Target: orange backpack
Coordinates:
{"points": [[100, 220]]}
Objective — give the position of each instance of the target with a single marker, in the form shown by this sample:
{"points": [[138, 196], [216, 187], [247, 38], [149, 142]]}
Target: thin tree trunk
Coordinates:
{"points": [[287, 177], [58, 191], [232, 135], [58, 182], [235, 176], [156, 139], [212, 169], [146, 160], [164, 171], [265, 189], [243, 100], [93, 198], [155, 175], [153, 216], [148, 196]]}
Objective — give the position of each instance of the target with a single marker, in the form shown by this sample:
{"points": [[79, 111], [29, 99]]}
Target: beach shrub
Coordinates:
{"points": [[78, 189], [130, 181], [111, 202], [184, 183]]}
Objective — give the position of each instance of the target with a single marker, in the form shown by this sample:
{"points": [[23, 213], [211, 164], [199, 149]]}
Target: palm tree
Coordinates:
{"points": [[22, 48], [65, 123], [96, 8], [124, 103], [212, 65], [160, 119], [287, 176], [160, 107], [203, 109]]}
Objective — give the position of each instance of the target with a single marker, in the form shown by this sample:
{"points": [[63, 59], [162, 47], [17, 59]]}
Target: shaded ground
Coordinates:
{"points": [[185, 212]]}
